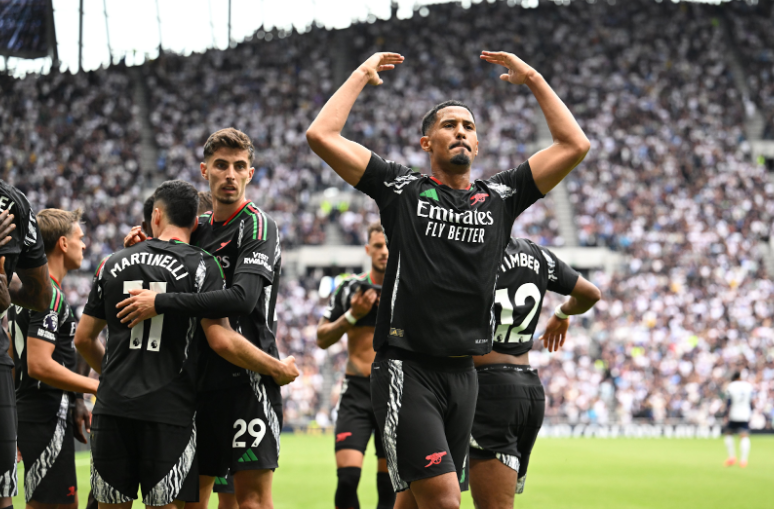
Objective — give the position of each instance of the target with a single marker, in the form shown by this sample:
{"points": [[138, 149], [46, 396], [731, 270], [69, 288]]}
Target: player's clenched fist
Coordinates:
{"points": [[288, 373], [362, 303], [377, 63], [518, 71]]}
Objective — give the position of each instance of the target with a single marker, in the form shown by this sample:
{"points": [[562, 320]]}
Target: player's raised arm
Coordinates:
{"points": [[236, 349], [550, 165], [347, 158]]}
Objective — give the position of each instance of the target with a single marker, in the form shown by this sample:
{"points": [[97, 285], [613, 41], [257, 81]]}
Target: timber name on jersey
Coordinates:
{"points": [[526, 272], [25, 249], [342, 297], [35, 400], [438, 292], [247, 242], [150, 372]]}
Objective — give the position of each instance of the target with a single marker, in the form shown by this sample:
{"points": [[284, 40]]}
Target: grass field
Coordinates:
{"points": [[577, 473]]}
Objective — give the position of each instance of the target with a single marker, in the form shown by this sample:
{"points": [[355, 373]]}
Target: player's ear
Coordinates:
{"points": [[250, 174], [62, 243], [424, 142], [203, 169]]}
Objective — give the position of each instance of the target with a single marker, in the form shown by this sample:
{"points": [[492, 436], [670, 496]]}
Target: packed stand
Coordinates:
{"points": [[751, 29], [72, 141]]}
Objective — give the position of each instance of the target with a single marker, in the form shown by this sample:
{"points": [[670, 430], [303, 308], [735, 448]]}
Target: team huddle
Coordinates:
{"points": [[188, 400]]}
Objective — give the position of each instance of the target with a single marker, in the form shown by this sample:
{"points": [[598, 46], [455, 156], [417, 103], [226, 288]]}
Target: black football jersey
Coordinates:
{"points": [[526, 272], [247, 242], [150, 372], [438, 292], [341, 297], [25, 250], [35, 400]]}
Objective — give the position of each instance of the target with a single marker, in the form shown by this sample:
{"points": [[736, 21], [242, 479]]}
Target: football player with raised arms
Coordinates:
{"points": [[144, 431], [240, 412], [22, 254], [352, 311], [437, 300], [511, 400]]}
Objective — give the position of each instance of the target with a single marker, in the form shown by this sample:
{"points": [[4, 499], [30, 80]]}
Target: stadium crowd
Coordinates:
{"points": [[72, 141], [668, 181]]}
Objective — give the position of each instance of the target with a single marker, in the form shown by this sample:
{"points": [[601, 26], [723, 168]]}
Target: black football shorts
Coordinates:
{"points": [[509, 414], [239, 427], [48, 452], [8, 482], [736, 427], [356, 420], [425, 410], [127, 454]]}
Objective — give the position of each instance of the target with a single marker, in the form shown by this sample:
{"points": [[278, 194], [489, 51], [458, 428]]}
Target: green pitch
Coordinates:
{"points": [[565, 473]]}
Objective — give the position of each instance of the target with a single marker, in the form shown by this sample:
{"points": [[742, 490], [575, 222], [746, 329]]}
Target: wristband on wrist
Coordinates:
{"points": [[350, 318], [559, 314]]}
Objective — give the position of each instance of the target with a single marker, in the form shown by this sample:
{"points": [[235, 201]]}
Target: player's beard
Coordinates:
{"points": [[227, 200], [460, 160]]}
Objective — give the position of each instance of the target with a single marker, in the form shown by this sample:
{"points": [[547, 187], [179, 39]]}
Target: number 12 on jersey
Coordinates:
{"points": [[156, 324], [507, 332]]}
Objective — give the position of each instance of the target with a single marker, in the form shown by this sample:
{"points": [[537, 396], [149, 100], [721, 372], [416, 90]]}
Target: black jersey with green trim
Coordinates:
{"points": [[151, 372], [247, 242], [438, 292], [342, 297], [35, 400], [24, 250], [526, 272]]}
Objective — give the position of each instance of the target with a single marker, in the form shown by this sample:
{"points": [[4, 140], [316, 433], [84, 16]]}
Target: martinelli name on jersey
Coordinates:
{"points": [[174, 266], [438, 293]]}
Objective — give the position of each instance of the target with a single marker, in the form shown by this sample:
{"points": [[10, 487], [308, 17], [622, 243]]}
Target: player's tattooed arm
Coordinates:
{"points": [[233, 347], [87, 341], [32, 289], [583, 297], [570, 145], [328, 333], [5, 296], [347, 158], [6, 227]]}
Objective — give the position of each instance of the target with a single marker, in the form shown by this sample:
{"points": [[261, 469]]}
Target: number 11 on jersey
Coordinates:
{"points": [[157, 322]]}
